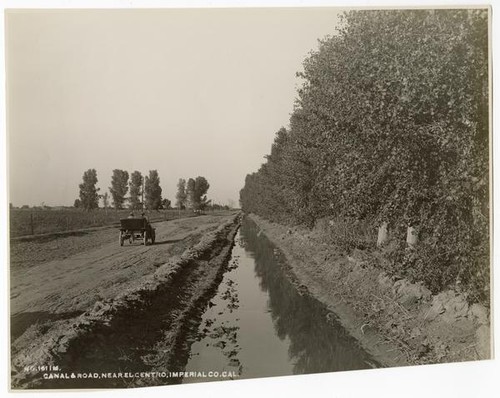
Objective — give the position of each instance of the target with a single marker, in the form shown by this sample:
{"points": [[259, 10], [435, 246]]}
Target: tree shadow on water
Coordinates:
{"points": [[318, 343]]}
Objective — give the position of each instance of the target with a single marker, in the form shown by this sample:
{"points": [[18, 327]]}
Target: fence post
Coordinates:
{"points": [[411, 236], [382, 234]]}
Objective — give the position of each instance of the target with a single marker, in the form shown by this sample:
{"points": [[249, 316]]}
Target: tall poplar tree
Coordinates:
{"points": [[119, 187], [152, 191], [181, 195], [136, 187], [89, 197]]}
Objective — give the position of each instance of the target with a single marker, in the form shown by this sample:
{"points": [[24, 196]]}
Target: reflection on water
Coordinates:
{"points": [[259, 325], [316, 345]]}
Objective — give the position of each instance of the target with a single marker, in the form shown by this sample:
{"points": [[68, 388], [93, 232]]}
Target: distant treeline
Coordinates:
{"points": [[145, 192], [391, 125]]}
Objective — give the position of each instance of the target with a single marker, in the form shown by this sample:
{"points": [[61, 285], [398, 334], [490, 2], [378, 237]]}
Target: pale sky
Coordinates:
{"points": [[186, 92]]}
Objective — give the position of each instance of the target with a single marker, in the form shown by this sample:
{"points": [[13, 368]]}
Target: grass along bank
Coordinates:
{"points": [[398, 322]]}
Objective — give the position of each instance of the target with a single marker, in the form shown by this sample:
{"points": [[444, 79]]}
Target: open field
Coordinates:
{"points": [[25, 222]]}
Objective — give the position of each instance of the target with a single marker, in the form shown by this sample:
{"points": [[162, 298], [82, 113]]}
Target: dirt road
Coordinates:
{"points": [[61, 278]]}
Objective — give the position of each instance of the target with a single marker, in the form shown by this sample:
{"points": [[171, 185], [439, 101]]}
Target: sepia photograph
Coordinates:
{"points": [[200, 195]]}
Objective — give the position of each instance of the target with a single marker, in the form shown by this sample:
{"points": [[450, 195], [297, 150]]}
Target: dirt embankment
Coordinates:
{"points": [[398, 323], [158, 299]]}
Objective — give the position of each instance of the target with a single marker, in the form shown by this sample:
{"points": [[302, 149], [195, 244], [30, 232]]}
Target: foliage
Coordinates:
{"points": [[119, 187], [105, 200], [77, 204], [89, 197], [201, 186], [181, 196], [195, 193], [166, 204], [216, 206], [152, 191], [190, 193], [136, 190], [347, 234], [391, 124]]}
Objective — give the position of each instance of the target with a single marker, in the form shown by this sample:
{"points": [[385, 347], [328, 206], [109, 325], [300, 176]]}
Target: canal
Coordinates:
{"points": [[258, 324]]}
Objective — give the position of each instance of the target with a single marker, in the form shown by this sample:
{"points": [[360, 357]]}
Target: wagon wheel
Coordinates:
{"points": [[120, 238], [145, 238], [153, 237]]}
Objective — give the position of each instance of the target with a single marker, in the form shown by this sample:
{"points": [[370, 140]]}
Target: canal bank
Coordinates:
{"points": [[396, 322]]}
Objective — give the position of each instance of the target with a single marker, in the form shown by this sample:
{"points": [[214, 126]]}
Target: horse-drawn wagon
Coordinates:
{"points": [[136, 229]]}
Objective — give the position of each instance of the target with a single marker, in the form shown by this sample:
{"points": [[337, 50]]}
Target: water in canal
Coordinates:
{"points": [[259, 325]]}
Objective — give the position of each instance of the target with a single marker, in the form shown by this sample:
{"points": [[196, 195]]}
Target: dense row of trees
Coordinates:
{"points": [[145, 192], [192, 194], [391, 125]]}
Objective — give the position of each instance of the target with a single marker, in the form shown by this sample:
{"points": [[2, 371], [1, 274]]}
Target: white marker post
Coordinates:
{"points": [[411, 236], [382, 234]]}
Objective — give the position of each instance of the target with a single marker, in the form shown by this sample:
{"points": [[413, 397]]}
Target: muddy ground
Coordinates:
{"points": [[398, 323], [64, 289]]}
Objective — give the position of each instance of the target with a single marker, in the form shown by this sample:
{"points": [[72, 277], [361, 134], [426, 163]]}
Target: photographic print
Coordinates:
{"points": [[221, 194]]}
